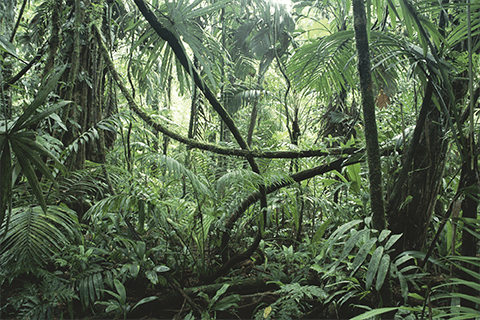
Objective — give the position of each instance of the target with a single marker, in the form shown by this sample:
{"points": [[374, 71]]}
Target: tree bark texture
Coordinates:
{"points": [[371, 135], [370, 124], [413, 211]]}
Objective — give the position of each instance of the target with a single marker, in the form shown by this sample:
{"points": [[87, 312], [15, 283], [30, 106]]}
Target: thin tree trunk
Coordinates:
{"points": [[371, 135]]}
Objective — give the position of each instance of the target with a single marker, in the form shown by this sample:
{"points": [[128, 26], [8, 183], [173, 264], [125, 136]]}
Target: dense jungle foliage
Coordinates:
{"points": [[240, 159]]}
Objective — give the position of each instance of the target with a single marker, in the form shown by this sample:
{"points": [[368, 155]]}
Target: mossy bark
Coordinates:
{"points": [[371, 135]]}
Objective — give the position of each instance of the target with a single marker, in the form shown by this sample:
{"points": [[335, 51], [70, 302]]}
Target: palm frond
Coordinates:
{"points": [[33, 236], [325, 64]]}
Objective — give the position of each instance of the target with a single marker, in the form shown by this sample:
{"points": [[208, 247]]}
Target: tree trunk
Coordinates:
{"points": [[371, 136], [469, 184], [412, 213]]}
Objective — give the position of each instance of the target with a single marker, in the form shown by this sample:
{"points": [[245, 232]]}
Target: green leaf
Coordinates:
{"points": [[371, 314], [140, 249], [383, 235], [84, 292], [144, 300], [23, 159], [392, 241], [218, 294], [32, 156], [91, 287], [362, 254], [7, 46], [192, 14], [98, 284], [121, 291], [353, 173], [39, 99], [373, 266], [321, 230], [382, 271], [42, 115], [152, 276], [5, 179], [227, 302], [349, 246], [332, 240], [161, 269], [134, 269], [416, 296]]}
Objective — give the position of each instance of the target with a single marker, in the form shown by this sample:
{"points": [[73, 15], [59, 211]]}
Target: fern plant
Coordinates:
{"points": [[45, 300], [292, 302]]}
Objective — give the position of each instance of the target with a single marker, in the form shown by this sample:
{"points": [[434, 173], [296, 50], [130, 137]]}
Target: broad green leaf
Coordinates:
{"points": [[161, 269], [121, 291], [152, 276], [349, 246], [91, 288], [451, 295], [416, 296], [382, 271], [402, 259], [112, 305], [7, 46], [227, 302], [144, 300], [113, 294], [220, 291], [206, 10], [338, 174], [84, 292], [39, 99], [353, 172], [362, 254], [140, 248], [392, 241], [383, 235], [371, 314], [321, 231], [134, 269], [332, 240], [98, 282], [373, 266]]}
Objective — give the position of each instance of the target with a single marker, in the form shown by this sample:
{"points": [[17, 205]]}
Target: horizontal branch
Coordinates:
{"points": [[289, 154], [25, 69], [254, 197]]}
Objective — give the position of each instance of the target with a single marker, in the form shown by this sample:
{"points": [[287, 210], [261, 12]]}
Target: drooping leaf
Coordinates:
{"points": [[362, 254], [144, 300], [42, 115], [391, 241], [372, 313], [5, 178], [23, 158], [349, 245], [332, 240], [121, 291], [7, 46], [321, 231], [382, 271], [373, 266], [39, 100]]}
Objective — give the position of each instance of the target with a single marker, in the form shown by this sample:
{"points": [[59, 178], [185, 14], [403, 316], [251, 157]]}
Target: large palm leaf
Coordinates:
{"points": [[18, 137], [34, 235]]}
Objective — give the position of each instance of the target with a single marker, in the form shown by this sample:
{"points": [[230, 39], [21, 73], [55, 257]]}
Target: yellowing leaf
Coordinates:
{"points": [[266, 312]]}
